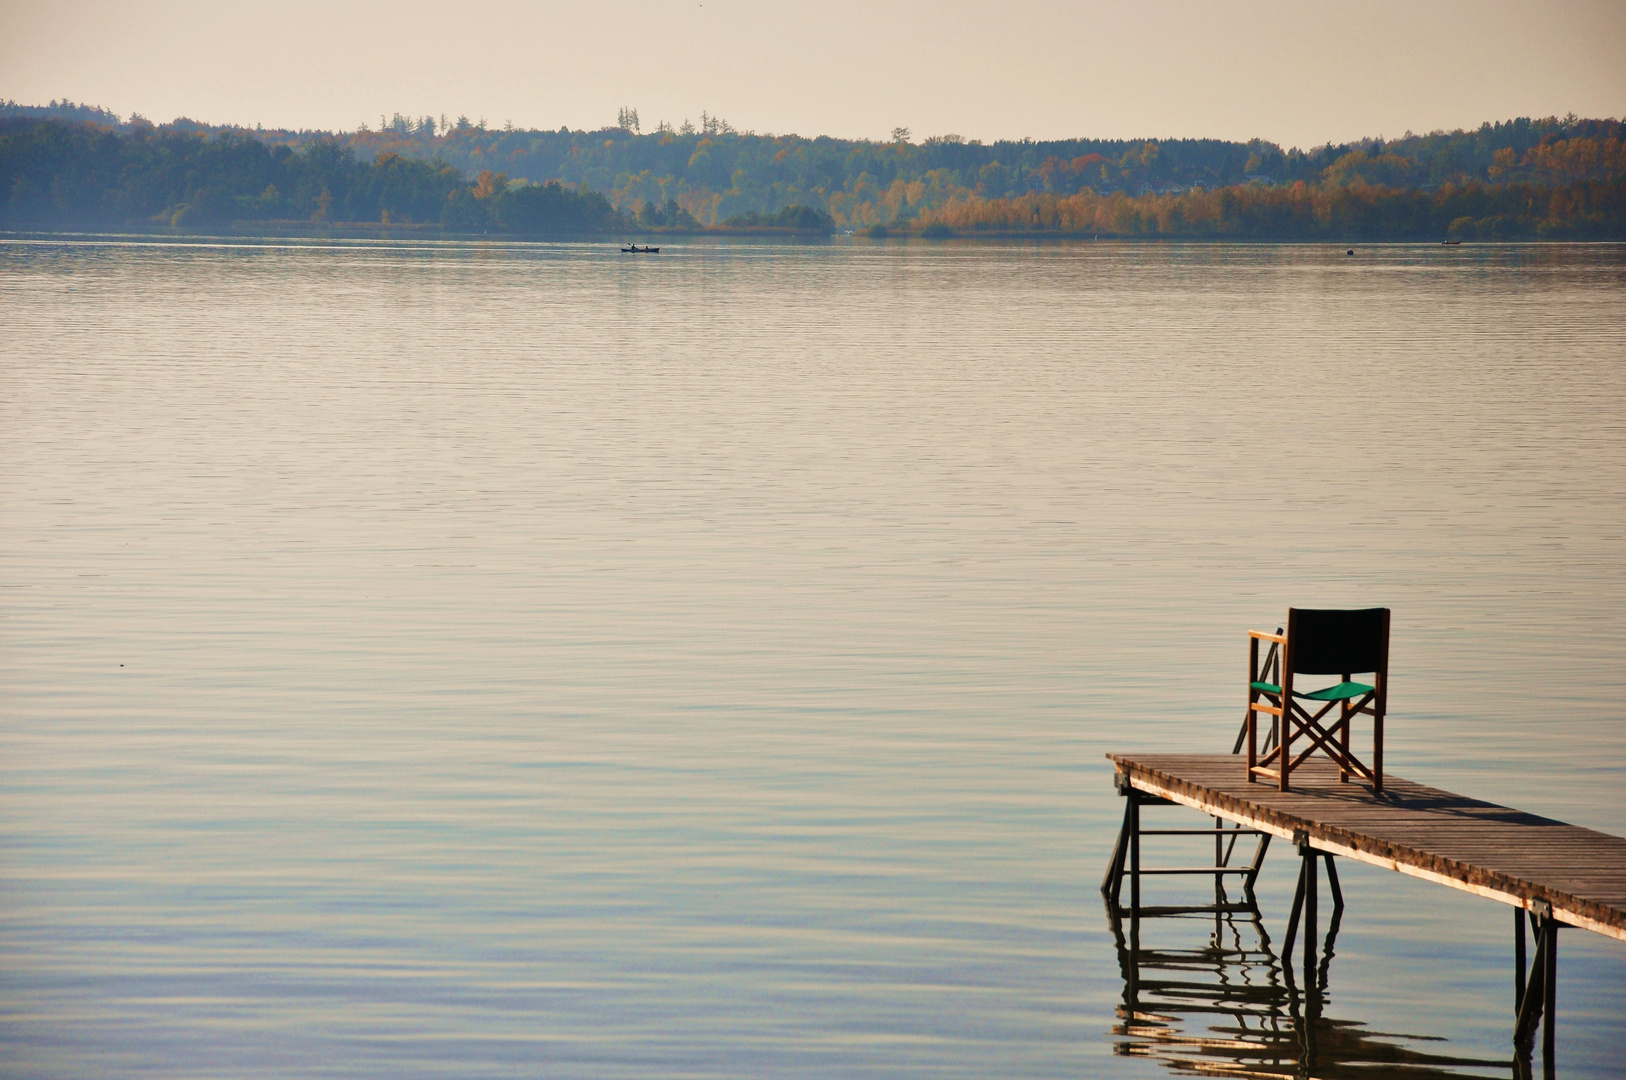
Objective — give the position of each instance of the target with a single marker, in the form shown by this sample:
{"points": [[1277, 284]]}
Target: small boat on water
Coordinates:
{"points": [[1450, 243], [634, 249]]}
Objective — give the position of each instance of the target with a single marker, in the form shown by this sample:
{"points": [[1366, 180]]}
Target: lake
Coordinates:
{"points": [[480, 659]]}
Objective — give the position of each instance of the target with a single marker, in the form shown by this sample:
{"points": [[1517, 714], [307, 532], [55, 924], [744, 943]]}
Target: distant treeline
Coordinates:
{"points": [[67, 163], [715, 172]]}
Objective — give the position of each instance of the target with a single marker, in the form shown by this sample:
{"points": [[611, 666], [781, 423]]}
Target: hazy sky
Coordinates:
{"points": [[1297, 73]]}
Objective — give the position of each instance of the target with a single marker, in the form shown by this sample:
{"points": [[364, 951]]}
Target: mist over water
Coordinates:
{"points": [[485, 660]]}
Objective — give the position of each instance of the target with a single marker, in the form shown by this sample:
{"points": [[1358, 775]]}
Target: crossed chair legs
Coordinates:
{"points": [[1297, 722]]}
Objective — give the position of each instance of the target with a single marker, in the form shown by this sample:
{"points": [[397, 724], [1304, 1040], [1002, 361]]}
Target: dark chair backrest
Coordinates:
{"points": [[1335, 642]]}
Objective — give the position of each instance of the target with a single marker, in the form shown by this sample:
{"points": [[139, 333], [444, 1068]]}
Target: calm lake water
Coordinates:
{"points": [[473, 660]]}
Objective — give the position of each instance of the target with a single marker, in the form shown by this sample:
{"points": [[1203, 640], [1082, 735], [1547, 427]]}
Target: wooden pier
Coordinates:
{"points": [[1559, 874], [1479, 847]]}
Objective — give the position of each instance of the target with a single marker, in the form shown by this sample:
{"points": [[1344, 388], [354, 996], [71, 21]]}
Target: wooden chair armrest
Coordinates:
{"points": [[1280, 639]]}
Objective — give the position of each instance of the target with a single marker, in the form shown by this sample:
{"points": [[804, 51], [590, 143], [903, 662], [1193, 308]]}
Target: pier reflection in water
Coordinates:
{"points": [[1206, 993]]}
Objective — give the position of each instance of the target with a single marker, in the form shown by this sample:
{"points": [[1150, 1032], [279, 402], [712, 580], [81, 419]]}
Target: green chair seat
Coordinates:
{"points": [[1342, 692]]}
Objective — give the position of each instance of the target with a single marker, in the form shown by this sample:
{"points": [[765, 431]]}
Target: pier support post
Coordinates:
{"points": [[1332, 882], [1518, 960], [1549, 1021], [1310, 942], [1304, 897], [1126, 862], [1112, 883], [1134, 854], [1539, 999], [1221, 858], [1524, 1028], [1257, 864]]}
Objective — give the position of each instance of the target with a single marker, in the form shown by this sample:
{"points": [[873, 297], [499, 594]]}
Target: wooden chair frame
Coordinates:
{"points": [[1296, 721], [1272, 667]]}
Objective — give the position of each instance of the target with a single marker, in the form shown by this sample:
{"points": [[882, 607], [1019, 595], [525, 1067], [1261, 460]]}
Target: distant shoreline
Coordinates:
{"points": [[1551, 180], [436, 234]]}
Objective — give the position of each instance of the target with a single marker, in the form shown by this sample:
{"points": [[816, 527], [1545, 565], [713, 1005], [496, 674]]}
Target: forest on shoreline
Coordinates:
{"points": [[73, 166]]}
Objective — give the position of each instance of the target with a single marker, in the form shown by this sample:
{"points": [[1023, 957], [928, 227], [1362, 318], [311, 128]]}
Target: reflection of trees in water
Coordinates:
{"points": [[1231, 1007]]}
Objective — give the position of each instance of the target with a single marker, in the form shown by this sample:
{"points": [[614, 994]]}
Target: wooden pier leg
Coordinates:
{"points": [[1310, 941], [1332, 882], [1134, 854], [1518, 960], [1524, 1029], [1549, 990], [1535, 994], [1257, 864], [1112, 884]]}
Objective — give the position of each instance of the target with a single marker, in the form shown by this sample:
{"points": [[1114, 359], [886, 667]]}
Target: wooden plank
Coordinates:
{"points": [[1479, 847]]}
